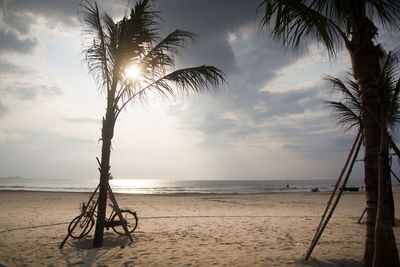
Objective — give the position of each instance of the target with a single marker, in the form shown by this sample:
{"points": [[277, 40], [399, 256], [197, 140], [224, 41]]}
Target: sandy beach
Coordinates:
{"points": [[187, 230]]}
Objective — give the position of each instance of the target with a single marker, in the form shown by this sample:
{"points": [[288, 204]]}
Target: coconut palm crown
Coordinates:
{"points": [[297, 23], [111, 47]]}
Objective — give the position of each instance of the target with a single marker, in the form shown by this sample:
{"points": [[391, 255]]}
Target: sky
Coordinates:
{"points": [[268, 122]]}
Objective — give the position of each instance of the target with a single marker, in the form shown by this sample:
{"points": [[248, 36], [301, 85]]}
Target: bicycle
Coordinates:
{"points": [[82, 224]]}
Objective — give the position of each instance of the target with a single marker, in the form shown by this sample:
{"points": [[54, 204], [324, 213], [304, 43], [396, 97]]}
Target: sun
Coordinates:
{"points": [[133, 72]]}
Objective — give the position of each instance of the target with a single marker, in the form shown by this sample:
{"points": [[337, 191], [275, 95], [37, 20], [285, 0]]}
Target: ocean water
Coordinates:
{"points": [[132, 186]]}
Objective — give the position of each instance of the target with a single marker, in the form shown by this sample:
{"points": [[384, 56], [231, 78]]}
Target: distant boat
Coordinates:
{"points": [[13, 177], [351, 188]]}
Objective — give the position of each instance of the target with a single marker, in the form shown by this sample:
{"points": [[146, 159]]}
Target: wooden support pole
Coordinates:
{"points": [[395, 176], [321, 230], [353, 147], [362, 215], [394, 146], [118, 211], [356, 140]]}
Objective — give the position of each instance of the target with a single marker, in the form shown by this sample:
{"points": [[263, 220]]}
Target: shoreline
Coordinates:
{"points": [[186, 193], [267, 229]]}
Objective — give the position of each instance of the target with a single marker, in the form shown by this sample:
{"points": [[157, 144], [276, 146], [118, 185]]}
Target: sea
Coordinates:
{"points": [[135, 186]]}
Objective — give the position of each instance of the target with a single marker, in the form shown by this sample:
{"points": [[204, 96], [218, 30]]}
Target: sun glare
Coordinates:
{"points": [[133, 72]]}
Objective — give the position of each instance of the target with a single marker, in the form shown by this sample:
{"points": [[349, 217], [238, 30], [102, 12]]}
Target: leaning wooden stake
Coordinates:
{"points": [[362, 215], [322, 228], [395, 176], [356, 140], [118, 211], [353, 147]]}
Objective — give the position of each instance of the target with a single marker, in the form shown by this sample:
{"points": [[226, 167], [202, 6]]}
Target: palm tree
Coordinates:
{"points": [[350, 24], [348, 111], [110, 48]]}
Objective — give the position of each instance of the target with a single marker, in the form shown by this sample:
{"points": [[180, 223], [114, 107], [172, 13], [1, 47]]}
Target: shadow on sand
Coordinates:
{"points": [[81, 252], [330, 263]]}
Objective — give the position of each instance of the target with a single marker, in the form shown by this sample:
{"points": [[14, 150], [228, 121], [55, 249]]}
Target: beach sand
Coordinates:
{"points": [[187, 230]]}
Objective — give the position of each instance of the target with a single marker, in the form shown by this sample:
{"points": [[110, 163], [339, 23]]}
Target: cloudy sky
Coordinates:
{"points": [[268, 122]]}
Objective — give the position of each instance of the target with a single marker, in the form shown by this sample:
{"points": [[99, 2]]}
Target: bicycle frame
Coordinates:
{"points": [[88, 213], [85, 220]]}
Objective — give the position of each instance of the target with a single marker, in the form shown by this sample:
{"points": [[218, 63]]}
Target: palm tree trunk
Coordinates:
{"points": [[364, 53], [367, 80], [366, 70], [391, 201], [107, 135], [386, 241], [389, 253], [385, 252], [104, 175], [382, 158]]}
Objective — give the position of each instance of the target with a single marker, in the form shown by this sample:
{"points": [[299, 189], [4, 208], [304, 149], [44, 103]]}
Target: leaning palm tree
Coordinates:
{"points": [[111, 48], [350, 24], [348, 110]]}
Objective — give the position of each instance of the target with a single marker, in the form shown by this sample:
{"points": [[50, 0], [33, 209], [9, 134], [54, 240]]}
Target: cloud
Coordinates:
{"points": [[213, 21], [20, 19], [10, 42], [28, 91], [82, 120], [22, 15], [294, 120], [245, 125], [3, 110], [10, 69]]}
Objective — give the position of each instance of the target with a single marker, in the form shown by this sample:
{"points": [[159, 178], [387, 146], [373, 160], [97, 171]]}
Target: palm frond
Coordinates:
{"points": [[386, 11], [395, 107], [111, 34], [111, 47], [298, 21], [95, 44], [389, 88], [162, 54], [194, 79], [345, 117], [389, 91], [350, 93]]}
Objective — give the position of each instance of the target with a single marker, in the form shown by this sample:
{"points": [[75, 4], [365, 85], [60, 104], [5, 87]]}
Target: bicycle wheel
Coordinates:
{"points": [[82, 224], [131, 222]]}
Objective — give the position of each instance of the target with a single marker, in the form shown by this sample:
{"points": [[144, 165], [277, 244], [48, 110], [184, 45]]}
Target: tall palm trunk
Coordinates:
{"points": [[364, 53], [107, 135], [384, 251], [385, 241], [391, 201], [388, 242]]}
